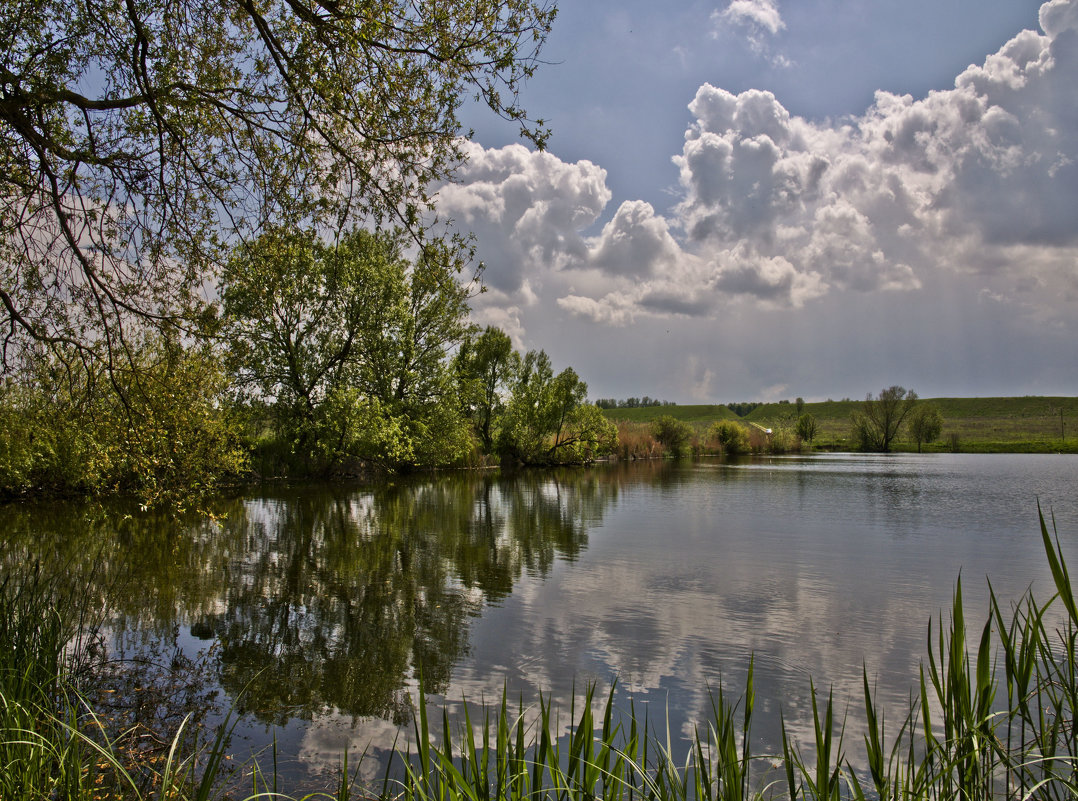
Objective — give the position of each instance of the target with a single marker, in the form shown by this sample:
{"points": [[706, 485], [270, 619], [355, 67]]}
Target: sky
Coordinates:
{"points": [[765, 199]]}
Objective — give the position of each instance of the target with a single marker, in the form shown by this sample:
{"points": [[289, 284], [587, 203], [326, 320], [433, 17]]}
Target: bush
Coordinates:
{"points": [[154, 427], [784, 440], [732, 437], [672, 434]]}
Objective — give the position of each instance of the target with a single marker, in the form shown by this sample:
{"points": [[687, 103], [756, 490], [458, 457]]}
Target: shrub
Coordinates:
{"points": [[784, 440], [732, 437], [672, 434]]}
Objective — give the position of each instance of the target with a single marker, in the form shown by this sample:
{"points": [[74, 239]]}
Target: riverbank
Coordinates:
{"points": [[970, 425]]}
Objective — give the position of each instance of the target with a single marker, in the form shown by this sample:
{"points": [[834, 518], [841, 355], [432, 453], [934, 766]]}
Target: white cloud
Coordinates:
{"points": [[779, 210], [758, 20], [636, 242], [910, 187], [1058, 16], [613, 309], [526, 208], [760, 14]]}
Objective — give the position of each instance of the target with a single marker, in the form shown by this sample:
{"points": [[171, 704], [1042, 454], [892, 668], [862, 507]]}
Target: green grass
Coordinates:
{"points": [[980, 425], [992, 716]]}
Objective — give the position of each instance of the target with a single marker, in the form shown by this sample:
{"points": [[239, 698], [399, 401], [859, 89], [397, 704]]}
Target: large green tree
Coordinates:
{"points": [[140, 140], [547, 419], [485, 364], [348, 342]]}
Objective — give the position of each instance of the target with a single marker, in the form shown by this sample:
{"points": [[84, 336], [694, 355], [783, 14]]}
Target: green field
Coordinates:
{"points": [[1025, 424]]}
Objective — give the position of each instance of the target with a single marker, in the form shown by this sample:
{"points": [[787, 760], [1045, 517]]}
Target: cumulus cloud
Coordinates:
{"points": [[527, 209], [758, 13], [780, 210], [615, 308], [911, 186], [759, 20], [636, 242]]}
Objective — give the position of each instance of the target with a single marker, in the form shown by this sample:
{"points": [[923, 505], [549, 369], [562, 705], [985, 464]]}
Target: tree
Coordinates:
{"points": [[140, 141], [879, 420], [925, 425], [547, 419], [806, 427], [347, 341], [484, 365], [672, 434]]}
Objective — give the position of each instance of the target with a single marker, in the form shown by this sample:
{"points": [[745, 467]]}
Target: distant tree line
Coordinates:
{"points": [[631, 403]]}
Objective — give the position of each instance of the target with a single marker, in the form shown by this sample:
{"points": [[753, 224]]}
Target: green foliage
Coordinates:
{"points": [[806, 427], [347, 343], [153, 426], [925, 424], [484, 366], [783, 439], [137, 144], [672, 434], [731, 436], [547, 419]]}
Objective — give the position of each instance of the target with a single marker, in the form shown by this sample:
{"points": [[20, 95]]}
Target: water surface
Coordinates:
{"points": [[316, 609]]}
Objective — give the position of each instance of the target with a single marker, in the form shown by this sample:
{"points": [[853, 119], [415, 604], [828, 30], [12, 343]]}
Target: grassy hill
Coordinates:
{"points": [[688, 414], [969, 424]]}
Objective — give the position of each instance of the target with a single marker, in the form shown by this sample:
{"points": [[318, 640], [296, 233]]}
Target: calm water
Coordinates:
{"points": [[328, 603]]}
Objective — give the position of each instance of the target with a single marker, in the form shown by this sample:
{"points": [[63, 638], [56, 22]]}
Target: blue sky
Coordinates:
{"points": [[758, 199]]}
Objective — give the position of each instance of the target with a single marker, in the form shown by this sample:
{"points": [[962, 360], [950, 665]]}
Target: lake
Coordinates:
{"points": [[315, 610]]}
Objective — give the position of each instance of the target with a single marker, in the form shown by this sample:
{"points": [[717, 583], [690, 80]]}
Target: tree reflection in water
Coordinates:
{"points": [[321, 598]]}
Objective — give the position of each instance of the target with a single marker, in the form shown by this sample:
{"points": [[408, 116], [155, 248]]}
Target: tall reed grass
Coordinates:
{"points": [[992, 717]]}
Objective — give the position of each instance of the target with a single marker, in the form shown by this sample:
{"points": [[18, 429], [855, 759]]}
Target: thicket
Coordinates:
{"points": [[732, 437], [324, 358], [155, 425], [673, 435]]}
